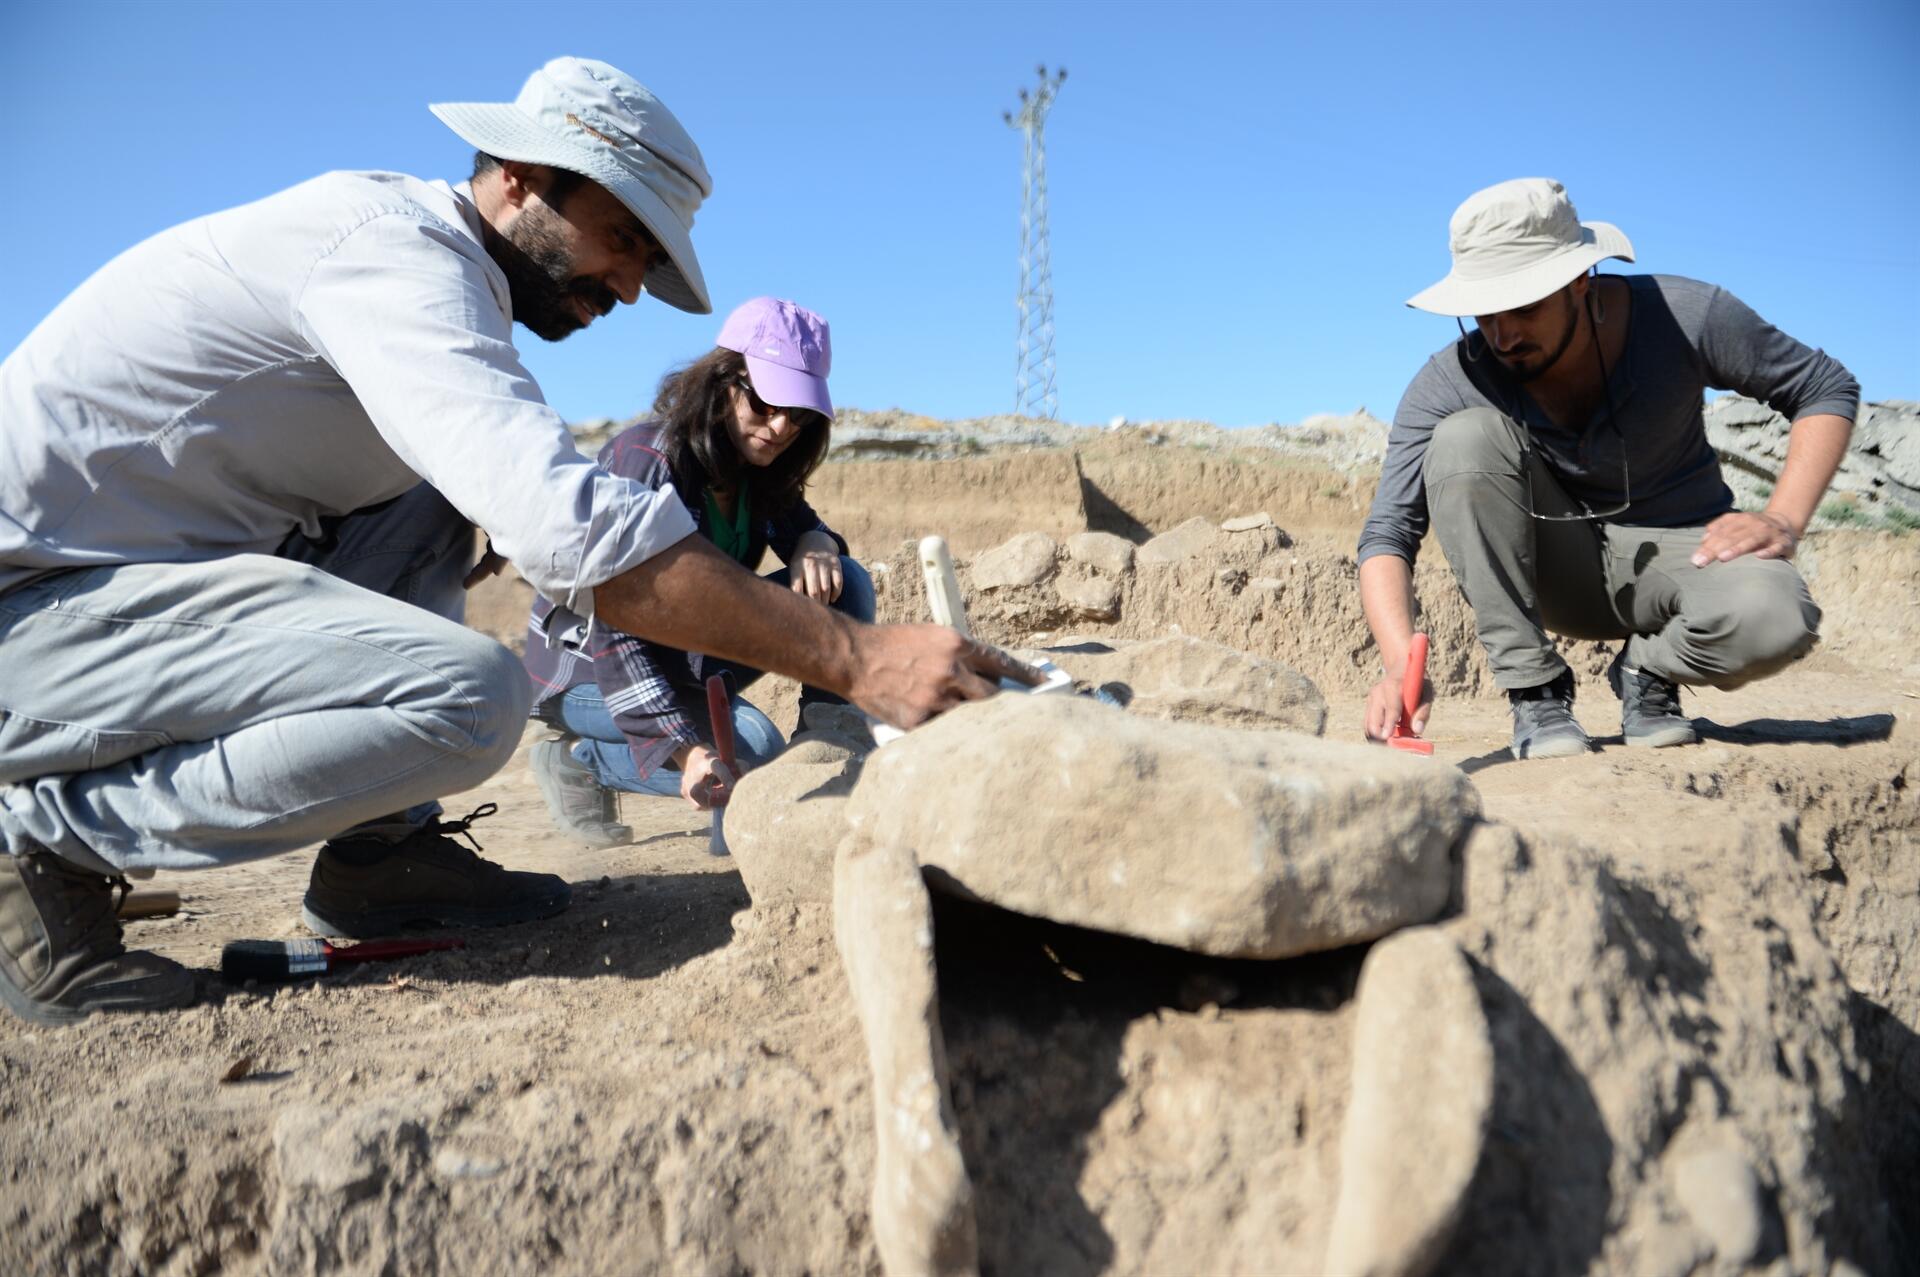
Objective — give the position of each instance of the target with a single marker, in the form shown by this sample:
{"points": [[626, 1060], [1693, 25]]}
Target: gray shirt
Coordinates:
{"points": [[1684, 336], [322, 350]]}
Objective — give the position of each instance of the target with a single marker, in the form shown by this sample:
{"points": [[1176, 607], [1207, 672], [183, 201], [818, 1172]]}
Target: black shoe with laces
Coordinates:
{"points": [[1650, 714], [364, 887], [61, 953]]}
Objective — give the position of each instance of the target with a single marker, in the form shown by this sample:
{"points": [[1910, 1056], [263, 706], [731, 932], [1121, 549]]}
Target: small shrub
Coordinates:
{"points": [[1902, 520]]}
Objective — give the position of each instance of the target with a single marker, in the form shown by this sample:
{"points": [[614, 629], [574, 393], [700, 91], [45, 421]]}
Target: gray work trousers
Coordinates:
{"points": [[1722, 625], [186, 715]]}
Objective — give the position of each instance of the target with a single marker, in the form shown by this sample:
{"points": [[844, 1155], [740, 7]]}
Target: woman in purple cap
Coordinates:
{"points": [[737, 433]]}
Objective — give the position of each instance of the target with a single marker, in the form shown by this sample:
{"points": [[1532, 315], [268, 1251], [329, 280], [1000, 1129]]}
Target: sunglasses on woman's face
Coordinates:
{"points": [[802, 418]]}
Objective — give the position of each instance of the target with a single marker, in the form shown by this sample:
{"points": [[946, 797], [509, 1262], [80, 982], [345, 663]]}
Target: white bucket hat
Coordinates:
{"points": [[596, 120], [1514, 244]]}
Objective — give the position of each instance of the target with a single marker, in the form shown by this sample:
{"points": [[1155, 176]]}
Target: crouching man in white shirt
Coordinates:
{"points": [[240, 469]]}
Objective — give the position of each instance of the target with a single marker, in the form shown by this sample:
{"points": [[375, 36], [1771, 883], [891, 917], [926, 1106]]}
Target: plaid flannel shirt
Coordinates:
{"points": [[656, 693]]}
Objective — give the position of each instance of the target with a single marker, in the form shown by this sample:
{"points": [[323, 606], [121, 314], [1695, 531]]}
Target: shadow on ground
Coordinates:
{"points": [[1889, 1105], [1857, 730], [1480, 762], [1544, 1171], [634, 928]]}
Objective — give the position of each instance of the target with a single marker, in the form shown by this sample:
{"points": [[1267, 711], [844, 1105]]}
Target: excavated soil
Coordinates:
{"points": [[1684, 955]]}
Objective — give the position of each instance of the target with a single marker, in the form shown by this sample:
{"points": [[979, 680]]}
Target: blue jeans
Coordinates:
{"points": [[602, 748]]}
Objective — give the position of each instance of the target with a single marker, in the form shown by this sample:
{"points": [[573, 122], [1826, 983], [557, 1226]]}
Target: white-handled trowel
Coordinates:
{"points": [[949, 608]]}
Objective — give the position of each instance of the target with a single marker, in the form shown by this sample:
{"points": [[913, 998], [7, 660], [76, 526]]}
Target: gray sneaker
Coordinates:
{"points": [[1650, 714], [578, 802], [61, 955], [1543, 721]]}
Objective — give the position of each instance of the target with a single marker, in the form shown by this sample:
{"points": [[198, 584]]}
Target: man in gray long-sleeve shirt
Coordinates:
{"points": [[1560, 454], [240, 470]]}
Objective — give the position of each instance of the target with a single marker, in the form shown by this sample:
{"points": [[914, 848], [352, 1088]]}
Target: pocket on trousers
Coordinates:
{"points": [[47, 593], [34, 747]]}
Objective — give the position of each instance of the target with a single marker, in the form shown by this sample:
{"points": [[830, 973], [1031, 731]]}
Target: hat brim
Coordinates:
{"points": [[1490, 296], [784, 387], [499, 129]]}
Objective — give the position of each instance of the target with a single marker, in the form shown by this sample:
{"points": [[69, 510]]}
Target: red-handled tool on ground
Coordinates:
{"points": [[1411, 684], [720, 712], [281, 960]]}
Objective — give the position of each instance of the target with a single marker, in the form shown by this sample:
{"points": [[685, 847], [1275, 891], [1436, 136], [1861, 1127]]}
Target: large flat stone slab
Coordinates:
{"points": [[1240, 844]]}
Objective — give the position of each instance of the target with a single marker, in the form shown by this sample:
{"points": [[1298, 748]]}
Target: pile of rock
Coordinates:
{"points": [[1158, 824], [1878, 482], [1034, 582], [1243, 581], [1529, 1071], [1349, 441]]}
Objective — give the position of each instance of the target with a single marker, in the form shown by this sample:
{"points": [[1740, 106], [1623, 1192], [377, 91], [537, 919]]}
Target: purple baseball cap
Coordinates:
{"points": [[789, 352]]}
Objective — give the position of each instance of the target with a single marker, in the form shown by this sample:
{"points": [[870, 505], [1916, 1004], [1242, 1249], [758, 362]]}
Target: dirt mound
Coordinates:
{"points": [[1698, 969], [983, 500], [1298, 604]]}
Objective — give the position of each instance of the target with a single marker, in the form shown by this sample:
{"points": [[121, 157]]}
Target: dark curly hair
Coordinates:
{"points": [[693, 408]]}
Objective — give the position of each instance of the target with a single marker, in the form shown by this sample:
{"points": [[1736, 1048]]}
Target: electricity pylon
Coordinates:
{"points": [[1034, 392]]}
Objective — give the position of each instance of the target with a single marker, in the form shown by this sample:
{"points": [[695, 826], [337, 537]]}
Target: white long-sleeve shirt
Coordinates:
{"points": [[322, 350]]}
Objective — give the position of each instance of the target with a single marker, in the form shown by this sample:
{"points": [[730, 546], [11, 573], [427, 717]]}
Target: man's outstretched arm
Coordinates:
{"points": [[692, 597]]}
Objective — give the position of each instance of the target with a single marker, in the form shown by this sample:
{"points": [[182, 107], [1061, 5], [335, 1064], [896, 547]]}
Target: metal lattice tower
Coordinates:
{"points": [[1034, 392]]}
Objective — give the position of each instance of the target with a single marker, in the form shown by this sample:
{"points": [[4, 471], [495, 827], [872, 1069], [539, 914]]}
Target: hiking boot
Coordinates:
{"points": [[1543, 721], [366, 886], [1650, 714], [61, 956], [579, 803]]}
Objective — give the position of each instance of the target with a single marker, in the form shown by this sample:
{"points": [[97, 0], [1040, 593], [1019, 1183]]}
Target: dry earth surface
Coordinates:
{"points": [[1700, 970]]}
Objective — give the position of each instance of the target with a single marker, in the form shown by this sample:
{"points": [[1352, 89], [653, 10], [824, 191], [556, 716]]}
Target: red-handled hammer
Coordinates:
{"points": [[1411, 684]]}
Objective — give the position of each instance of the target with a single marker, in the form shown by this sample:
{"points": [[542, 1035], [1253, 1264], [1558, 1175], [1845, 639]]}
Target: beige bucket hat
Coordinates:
{"points": [[598, 121], [1514, 244]]}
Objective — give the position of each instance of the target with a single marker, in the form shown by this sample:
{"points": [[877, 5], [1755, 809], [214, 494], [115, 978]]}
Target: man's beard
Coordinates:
{"points": [[1566, 339], [540, 278]]}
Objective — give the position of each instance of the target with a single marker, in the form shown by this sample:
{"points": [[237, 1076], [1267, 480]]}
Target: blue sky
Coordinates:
{"points": [[1243, 195]]}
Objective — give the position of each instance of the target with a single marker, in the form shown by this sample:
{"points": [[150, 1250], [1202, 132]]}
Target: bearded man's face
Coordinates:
{"points": [[1530, 340], [549, 294]]}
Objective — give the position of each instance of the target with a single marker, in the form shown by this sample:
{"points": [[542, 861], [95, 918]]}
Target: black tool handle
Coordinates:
{"points": [[274, 960]]}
